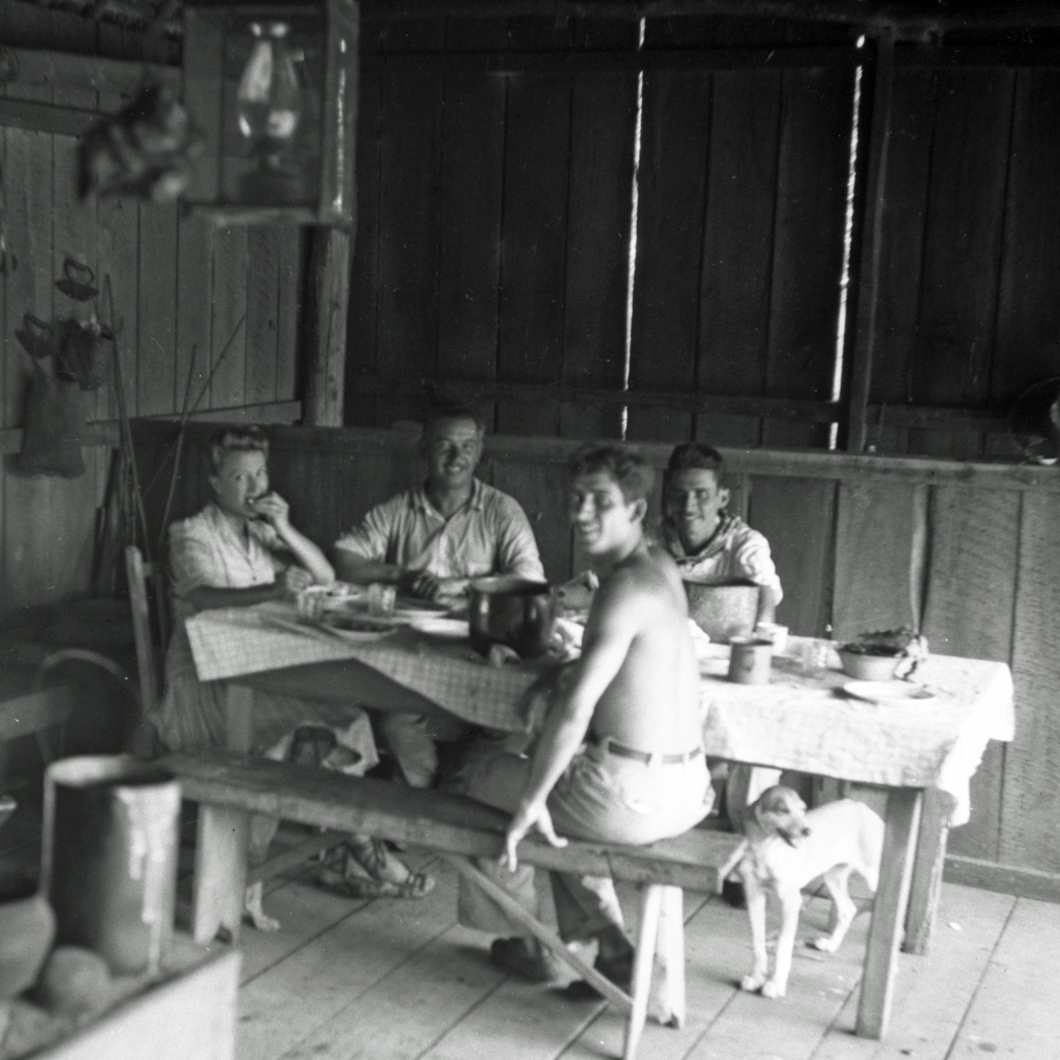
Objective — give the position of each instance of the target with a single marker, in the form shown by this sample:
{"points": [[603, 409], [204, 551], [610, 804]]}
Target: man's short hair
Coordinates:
{"points": [[234, 440], [452, 410], [632, 473], [696, 455]]}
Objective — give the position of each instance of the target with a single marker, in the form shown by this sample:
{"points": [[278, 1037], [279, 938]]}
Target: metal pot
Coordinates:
{"points": [[512, 611], [723, 611]]}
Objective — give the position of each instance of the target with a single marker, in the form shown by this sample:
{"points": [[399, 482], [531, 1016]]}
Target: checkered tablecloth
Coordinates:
{"points": [[797, 721], [804, 722], [234, 642]]}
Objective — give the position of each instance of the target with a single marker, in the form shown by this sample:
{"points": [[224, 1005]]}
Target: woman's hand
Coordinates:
{"points": [[293, 580], [525, 819], [273, 509]]}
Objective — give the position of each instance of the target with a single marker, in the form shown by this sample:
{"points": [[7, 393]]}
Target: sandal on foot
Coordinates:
{"points": [[515, 957]]}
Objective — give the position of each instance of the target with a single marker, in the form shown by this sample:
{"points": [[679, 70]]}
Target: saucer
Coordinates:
{"points": [[887, 692]]}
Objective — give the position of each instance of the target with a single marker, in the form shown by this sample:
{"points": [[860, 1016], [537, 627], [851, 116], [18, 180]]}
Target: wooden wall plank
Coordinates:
{"points": [[407, 306], [738, 247], [816, 114], [1027, 347], [1030, 807], [194, 310], [603, 121], [117, 237], [157, 305], [797, 517], [290, 243], [472, 177], [542, 491], [970, 596], [534, 242], [362, 321], [962, 244], [263, 291], [880, 537], [676, 131], [229, 305]]}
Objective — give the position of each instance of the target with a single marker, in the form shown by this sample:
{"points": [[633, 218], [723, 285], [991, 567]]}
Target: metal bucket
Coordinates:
{"points": [[512, 611], [109, 859], [723, 611]]}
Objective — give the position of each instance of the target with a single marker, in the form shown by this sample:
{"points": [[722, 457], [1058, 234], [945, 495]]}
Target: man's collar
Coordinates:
{"points": [[677, 549], [474, 503]]}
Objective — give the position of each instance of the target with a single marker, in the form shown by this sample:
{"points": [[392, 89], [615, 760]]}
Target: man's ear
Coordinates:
{"points": [[213, 481], [723, 497], [640, 509]]}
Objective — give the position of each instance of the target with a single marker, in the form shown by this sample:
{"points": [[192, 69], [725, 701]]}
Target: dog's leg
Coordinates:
{"points": [[756, 912], [254, 911], [790, 907], [836, 879]]}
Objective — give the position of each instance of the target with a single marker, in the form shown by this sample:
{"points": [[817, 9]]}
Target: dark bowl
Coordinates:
{"points": [[516, 612]]}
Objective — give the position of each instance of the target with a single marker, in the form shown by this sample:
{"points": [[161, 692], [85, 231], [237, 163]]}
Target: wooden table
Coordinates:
{"points": [[796, 722]]}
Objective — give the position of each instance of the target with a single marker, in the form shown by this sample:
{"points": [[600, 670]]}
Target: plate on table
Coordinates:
{"points": [[446, 628], [884, 693], [359, 629]]}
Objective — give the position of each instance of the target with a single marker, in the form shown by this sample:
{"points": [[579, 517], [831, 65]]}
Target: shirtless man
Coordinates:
{"points": [[619, 758]]}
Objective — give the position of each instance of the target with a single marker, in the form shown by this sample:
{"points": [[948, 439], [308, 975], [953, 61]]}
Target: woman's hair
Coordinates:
{"points": [[696, 455], [234, 440], [628, 467]]}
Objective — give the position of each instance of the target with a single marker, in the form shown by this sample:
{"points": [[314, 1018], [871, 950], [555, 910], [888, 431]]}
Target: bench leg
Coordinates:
{"points": [[220, 872], [651, 900], [672, 957]]}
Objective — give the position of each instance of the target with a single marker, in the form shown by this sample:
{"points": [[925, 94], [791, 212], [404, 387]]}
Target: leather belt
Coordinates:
{"points": [[615, 748]]}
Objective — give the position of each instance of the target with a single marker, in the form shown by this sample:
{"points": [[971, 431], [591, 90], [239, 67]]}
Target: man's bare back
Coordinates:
{"points": [[652, 704]]}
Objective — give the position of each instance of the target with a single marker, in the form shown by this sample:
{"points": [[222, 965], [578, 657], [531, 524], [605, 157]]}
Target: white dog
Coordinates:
{"points": [[787, 848]]}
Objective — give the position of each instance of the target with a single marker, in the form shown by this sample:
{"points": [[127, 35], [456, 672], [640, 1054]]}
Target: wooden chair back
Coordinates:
{"points": [[150, 651]]}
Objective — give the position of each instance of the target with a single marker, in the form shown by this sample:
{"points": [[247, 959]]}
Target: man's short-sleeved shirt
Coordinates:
{"points": [[205, 550], [735, 552], [489, 534]]}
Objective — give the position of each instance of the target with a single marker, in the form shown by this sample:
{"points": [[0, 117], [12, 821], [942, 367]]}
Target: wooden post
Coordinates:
{"points": [[329, 276], [872, 235]]}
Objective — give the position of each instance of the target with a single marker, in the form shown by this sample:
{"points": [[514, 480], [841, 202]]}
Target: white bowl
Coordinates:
{"points": [[865, 667]]}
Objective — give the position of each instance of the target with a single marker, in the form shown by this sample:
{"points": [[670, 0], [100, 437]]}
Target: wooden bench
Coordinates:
{"points": [[229, 788]]}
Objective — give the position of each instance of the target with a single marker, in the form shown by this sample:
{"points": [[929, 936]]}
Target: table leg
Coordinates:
{"points": [[926, 886], [888, 912], [239, 718], [220, 872]]}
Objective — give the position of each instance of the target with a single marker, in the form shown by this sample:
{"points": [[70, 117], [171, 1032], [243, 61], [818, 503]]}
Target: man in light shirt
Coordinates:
{"points": [[430, 542]]}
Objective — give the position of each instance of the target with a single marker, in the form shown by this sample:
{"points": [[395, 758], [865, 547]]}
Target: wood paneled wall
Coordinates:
{"points": [[179, 287], [496, 168], [969, 552]]}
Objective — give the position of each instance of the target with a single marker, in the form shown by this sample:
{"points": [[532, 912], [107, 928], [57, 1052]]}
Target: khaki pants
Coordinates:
{"points": [[600, 796]]}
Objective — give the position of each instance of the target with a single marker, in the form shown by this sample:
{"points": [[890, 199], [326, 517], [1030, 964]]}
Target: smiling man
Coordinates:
{"points": [[709, 544], [431, 542], [619, 758]]}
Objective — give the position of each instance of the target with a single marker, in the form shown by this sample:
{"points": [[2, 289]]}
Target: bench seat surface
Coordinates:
{"points": [[439, 821]]}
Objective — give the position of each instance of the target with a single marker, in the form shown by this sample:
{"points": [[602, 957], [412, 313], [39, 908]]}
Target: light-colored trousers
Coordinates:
{"points": [[600, 796]]}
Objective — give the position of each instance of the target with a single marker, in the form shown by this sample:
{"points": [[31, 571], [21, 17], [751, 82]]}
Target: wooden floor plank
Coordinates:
{"points": [[1014, 1011], [932, 993], [792, 1028], [281, 1007], [407, 1011]]}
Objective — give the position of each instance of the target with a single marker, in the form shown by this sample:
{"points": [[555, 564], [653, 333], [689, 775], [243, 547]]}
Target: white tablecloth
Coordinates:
{"points": [[795, 722]]}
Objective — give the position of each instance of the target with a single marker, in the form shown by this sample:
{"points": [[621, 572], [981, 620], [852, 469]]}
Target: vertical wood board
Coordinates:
{"points": [[194, 310], [263, 290], [229, 302], [603, 121], [157, 307], [534, 245], [1030, 808], [971, 586], [673, 164], [541, 489], [880, 537], [797, 516]]}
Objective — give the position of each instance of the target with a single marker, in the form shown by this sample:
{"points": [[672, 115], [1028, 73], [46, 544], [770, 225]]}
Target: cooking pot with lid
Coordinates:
{"points": [[513, 611]]}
